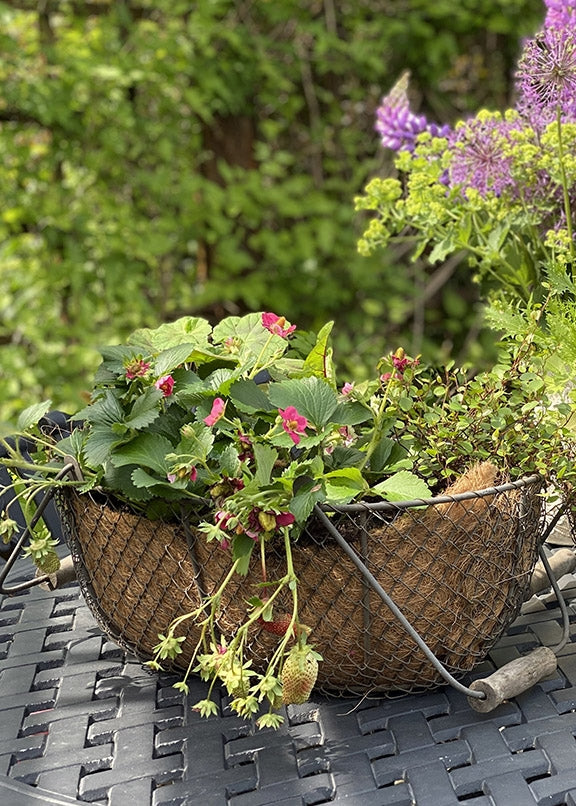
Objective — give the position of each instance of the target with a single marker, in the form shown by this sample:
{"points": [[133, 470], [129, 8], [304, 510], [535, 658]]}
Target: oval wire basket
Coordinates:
{"points": [[458, 566]]}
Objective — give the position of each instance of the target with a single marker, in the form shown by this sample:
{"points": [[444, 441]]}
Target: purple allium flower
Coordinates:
{"points": [[397, 125], [480, 158], [560, 13], [546, 75]]}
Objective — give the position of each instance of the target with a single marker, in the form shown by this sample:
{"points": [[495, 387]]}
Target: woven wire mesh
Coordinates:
{"points": [[458, 568]]}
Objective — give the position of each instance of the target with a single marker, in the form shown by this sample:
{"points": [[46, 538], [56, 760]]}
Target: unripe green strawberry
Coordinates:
{"points": [[49, 563], [299, 675]]}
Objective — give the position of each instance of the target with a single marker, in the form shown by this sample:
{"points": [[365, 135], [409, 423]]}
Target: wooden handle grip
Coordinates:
{"points": [[63, 575], [561, 562], [516, 677]]}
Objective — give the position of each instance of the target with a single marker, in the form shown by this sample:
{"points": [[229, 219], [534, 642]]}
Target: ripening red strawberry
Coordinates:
{"points": [[277, 626], [299, 675]]}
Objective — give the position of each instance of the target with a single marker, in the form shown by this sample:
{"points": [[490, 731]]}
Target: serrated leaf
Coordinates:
{"points": [[313, 398], [309, 492], [145, 409], [32, 415], [104, 411], [252, 339], [385, 452], [198, 441], [264, 457], [228, 462], [402, 486], [146, 450], [99, 444], [140, 478], [247, 396], [344, 484], [119, 479], [351, 413], [171, 358], [186, 330]]}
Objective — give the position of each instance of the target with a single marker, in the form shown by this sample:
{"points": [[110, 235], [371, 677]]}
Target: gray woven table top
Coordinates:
{"points": [[80, 722]]}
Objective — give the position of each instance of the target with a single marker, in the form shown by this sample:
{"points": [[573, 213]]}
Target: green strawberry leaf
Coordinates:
{"points": [[249, 397], [308, 492], [32, 415], [147, 450], [313, 398], [402, 486], [344, 484], [172, 357], [99, 444], [145, 409], [189, 330], [242, 549], [105, 411], [265, 457]]}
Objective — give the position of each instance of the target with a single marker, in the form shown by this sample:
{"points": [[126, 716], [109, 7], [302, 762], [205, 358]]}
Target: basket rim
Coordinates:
{"points": [[393, 506]]}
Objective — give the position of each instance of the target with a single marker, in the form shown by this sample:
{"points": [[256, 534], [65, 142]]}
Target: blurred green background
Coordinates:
{"points": [[162, 158]]}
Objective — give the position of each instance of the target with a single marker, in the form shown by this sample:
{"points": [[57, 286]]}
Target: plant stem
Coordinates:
{"points": [[565, 192]]}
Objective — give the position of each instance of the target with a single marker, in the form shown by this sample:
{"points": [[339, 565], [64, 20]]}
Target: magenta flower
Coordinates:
{"points": [[136, 369], [293, 423], [216, 413], [165, 384], [277, 325], [284, 519], [347, 388]]}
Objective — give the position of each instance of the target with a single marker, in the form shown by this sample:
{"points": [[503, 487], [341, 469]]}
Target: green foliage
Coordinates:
{"points": [[162, 158]]}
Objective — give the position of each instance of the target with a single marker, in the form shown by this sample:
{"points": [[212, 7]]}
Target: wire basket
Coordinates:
{"points": [[458, 566]]}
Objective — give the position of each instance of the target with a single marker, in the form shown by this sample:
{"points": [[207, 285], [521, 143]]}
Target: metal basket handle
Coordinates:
{"points": [[508, 681], [42, 579]]}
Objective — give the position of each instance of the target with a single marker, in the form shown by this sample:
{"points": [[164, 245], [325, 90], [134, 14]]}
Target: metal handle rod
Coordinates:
{"points": [[367, 574], [48, 495], [469, 495], [561, 603]]}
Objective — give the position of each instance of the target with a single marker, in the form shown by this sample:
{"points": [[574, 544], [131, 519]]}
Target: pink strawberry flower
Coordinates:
{"points": [[277, 325], [347, 388], [216, 413], [293, 423], [165, 384]]}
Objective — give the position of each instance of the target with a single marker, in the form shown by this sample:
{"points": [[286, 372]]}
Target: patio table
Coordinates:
{"points": [[83, 722]]}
